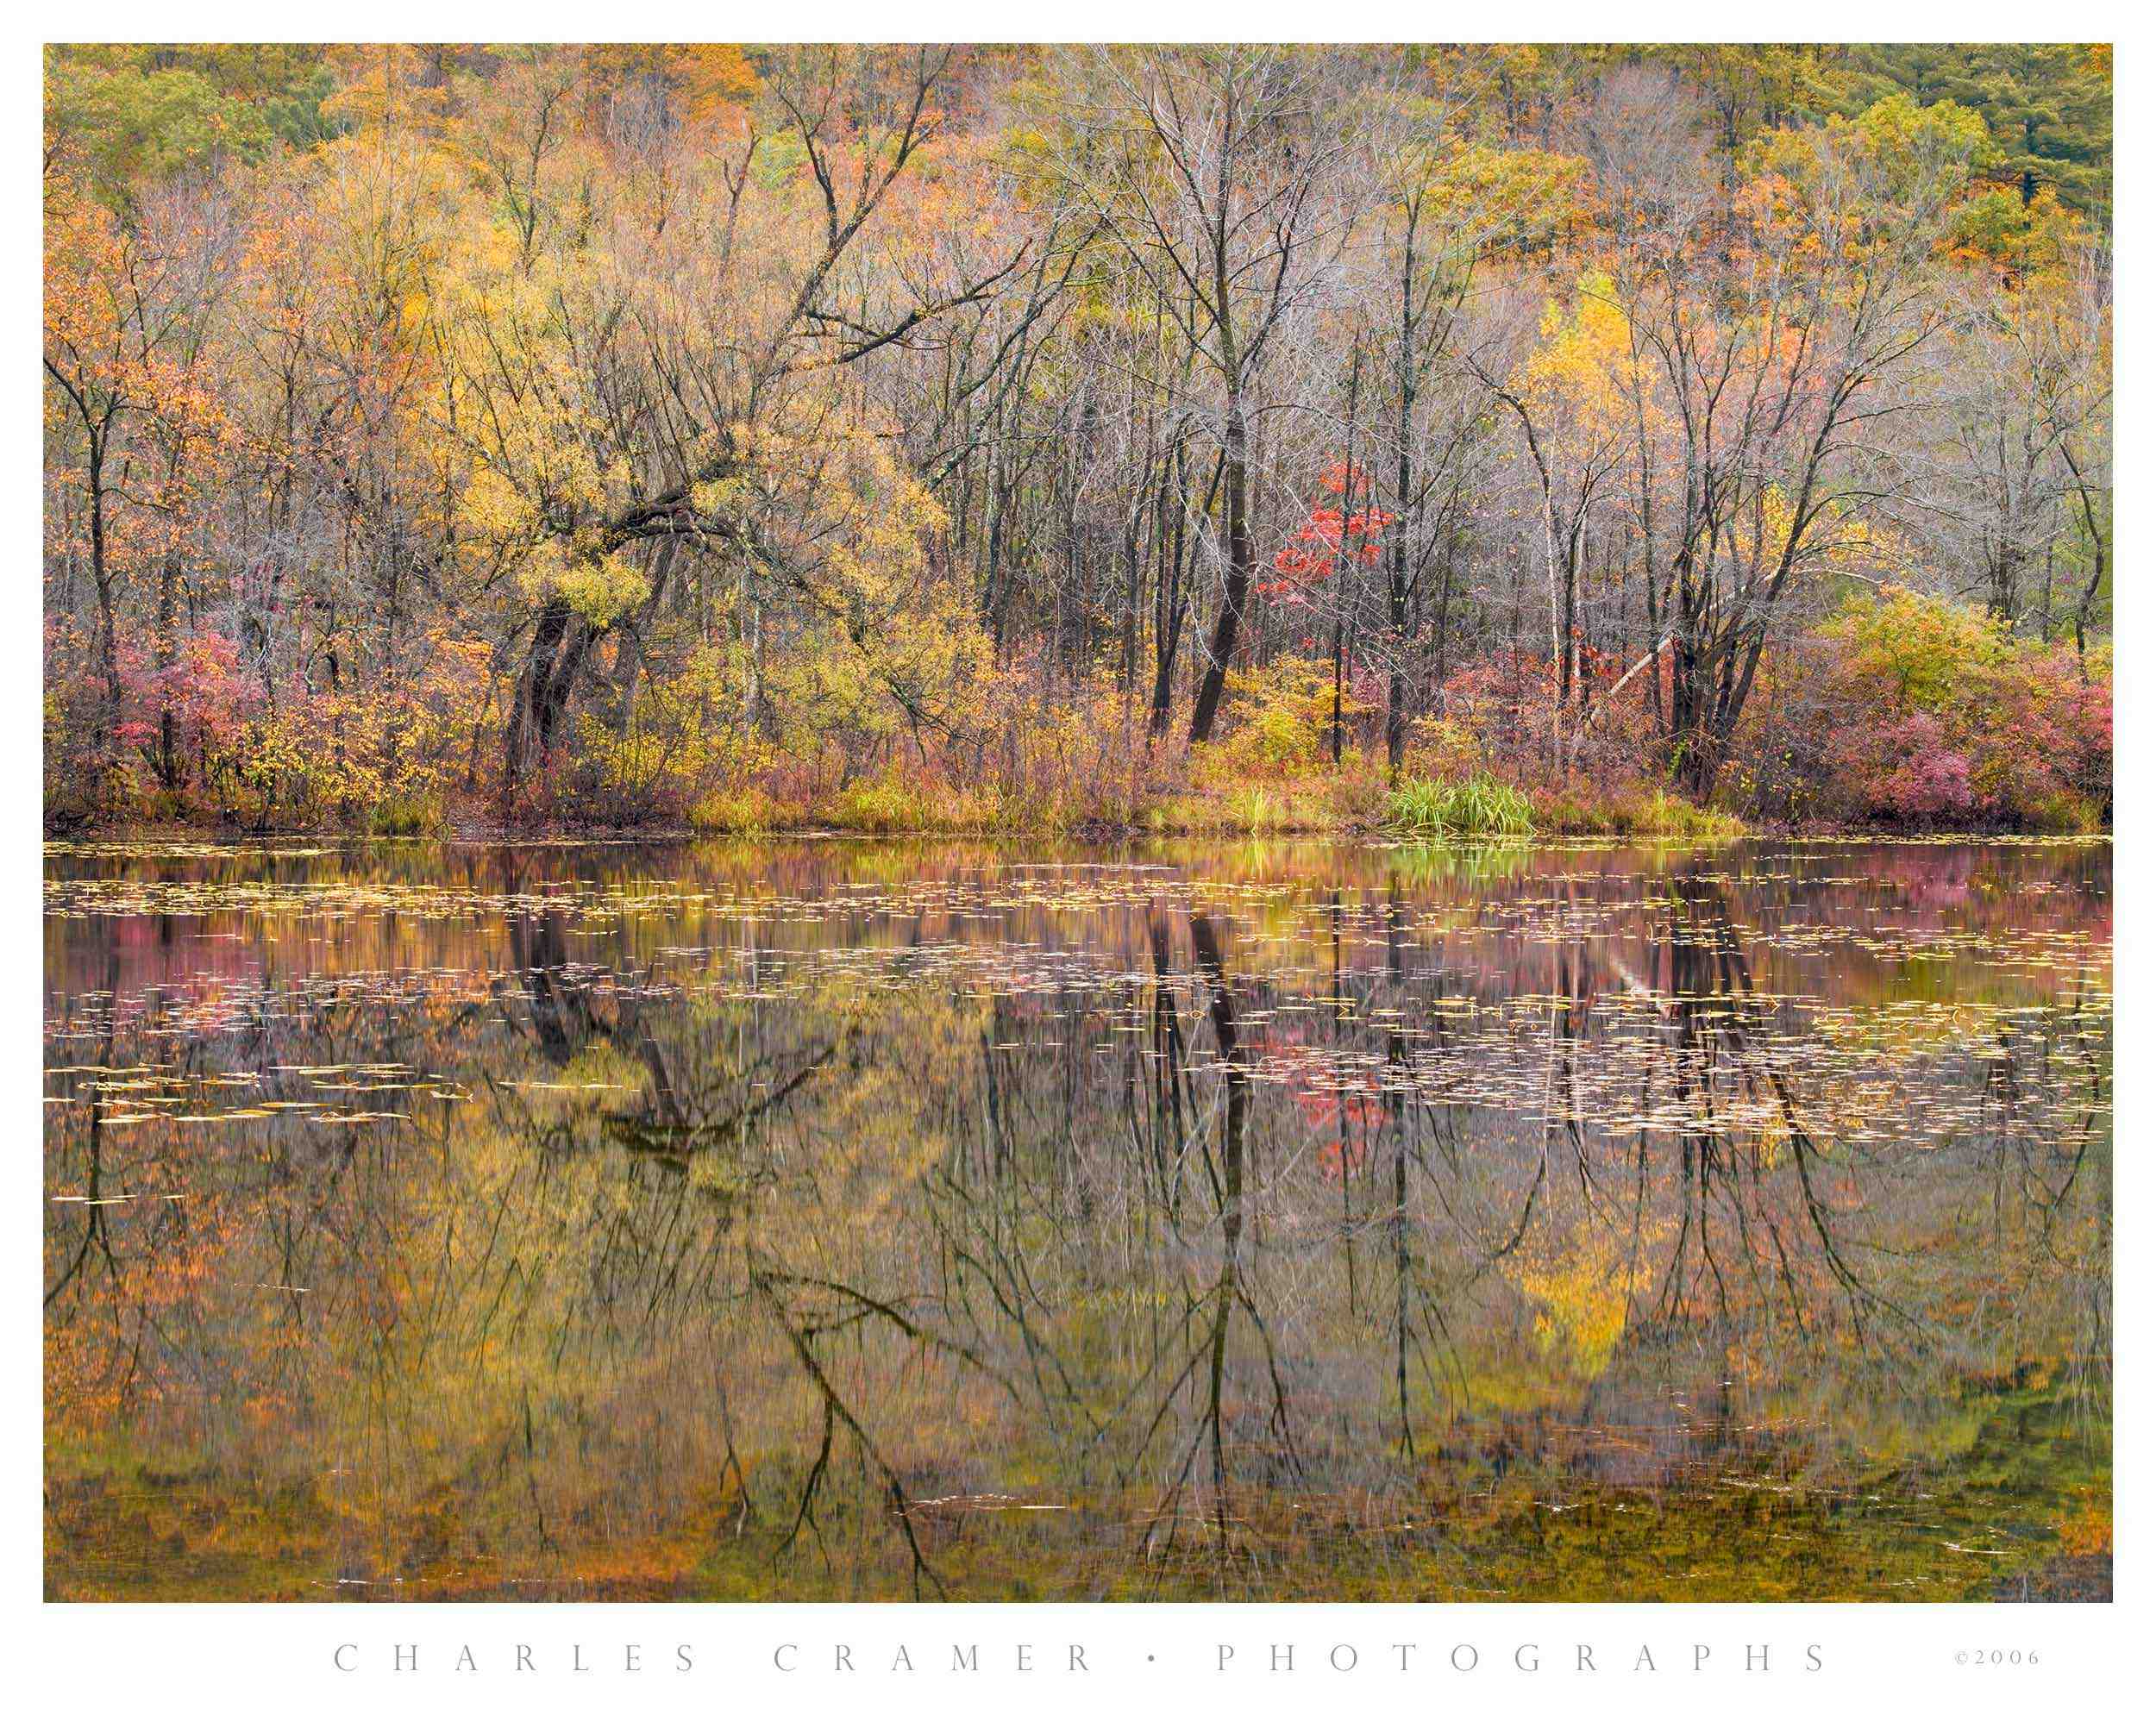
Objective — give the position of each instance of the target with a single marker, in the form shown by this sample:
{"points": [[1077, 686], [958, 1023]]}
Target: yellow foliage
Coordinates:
{"points": [[1283, 718]]}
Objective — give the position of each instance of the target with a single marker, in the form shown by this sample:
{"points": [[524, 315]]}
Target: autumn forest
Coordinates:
{"points": [[1488, 671], [1635, 439]]}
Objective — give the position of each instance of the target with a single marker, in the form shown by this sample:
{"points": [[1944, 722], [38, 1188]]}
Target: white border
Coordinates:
{"points": [[187, 1657]]}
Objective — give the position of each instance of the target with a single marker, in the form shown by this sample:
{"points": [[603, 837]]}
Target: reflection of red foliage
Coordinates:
{"points": [[1342, 1156], [1333, 1113]]}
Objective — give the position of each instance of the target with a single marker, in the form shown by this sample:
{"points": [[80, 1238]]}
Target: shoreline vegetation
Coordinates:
{"points": [[1622, 825], [1455, 442], [1354, 806]]}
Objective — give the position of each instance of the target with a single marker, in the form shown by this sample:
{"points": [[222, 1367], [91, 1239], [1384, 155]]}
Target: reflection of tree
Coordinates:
{"points": [[835, 1413], [558, 1008], [885, 1272], [1167, 1134], [1409, 1285], [1716, 1024], [1228, 1195]]}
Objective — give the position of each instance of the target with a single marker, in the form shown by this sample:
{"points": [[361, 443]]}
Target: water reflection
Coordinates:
{"points": [[837, 1220]]}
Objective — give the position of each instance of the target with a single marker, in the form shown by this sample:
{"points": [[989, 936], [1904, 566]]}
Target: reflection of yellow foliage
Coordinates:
{"points": [[1580, 1295], [2089, 1530]]}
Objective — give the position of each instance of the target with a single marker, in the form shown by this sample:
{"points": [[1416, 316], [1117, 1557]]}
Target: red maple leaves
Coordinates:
{"points": [[1332, 537]]}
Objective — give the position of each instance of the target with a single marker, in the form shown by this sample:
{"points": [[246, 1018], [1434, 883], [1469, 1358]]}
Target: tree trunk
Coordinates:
{"points": [[1168, 605], [1221, 647], [167, 654], [559, 640], [101, 574]]}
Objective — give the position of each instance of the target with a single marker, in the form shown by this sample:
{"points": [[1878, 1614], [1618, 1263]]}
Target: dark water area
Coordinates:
{"points": [[844, 1219]]}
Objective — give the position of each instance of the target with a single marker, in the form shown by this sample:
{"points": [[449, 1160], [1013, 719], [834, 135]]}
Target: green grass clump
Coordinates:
{"points": [[1659, 815], [1664, 813], [1255, 810], [884, 806], [1477, 808], [895, 805], [746, 810], [406, 818], [2066, 813]]}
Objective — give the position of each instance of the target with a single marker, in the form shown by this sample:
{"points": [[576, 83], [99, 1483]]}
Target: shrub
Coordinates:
{"points": [[1441, 746], [1283, 718], [1943, 715], [680, 744]]}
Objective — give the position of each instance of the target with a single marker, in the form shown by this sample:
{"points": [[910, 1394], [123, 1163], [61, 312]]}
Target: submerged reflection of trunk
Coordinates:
{"points": [[1396, 1129], [1718, 1020], [1170, 1133], [1206, 940]]}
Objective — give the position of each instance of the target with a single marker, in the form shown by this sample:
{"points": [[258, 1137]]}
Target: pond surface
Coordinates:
{"points": [[841, 1219]]}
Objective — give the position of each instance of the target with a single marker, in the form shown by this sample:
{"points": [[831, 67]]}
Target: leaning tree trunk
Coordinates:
{"points": [[1221, 648], [559, 639]]}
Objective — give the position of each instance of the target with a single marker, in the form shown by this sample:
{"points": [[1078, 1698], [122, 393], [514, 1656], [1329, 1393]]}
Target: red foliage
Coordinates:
{"points": [[1331, 537], [1909, 768], [1919, 711], [203, 689]]}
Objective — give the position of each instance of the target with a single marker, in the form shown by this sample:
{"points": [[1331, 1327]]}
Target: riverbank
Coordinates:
{"points": [[1354, 804], [477, 831]]}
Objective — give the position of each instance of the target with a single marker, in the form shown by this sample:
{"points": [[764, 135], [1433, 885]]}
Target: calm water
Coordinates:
{"points": [[838, 1219]]}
